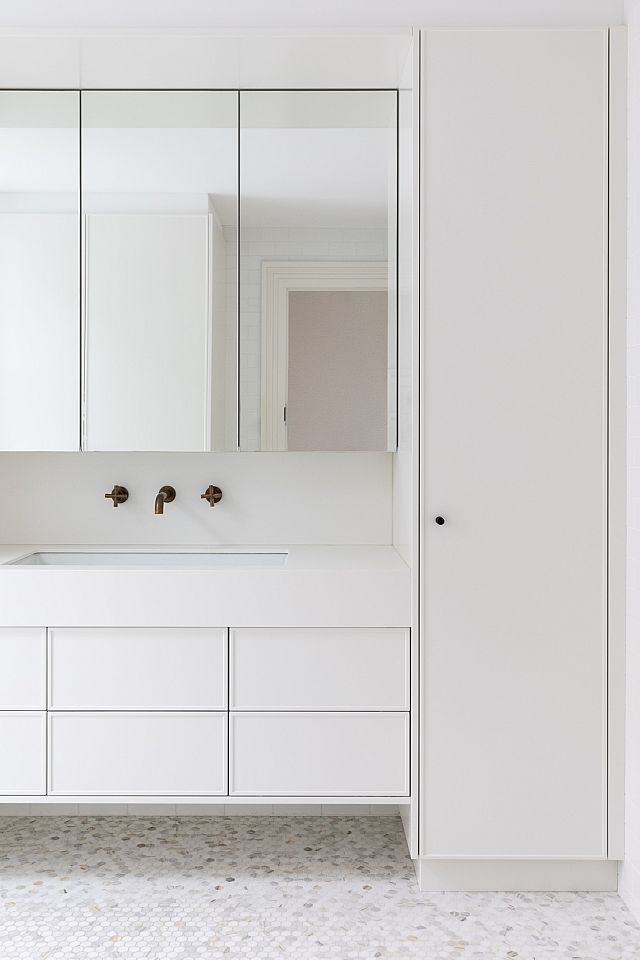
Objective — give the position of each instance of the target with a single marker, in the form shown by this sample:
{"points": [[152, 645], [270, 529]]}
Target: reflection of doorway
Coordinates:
{"points": [[325, 349]]}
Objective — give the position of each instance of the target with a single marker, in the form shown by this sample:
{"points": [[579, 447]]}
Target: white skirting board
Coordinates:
{"points": [[479, 876]]}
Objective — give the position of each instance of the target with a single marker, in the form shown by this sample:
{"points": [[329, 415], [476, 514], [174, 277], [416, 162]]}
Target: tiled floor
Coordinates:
{"points": [[256, 888]]}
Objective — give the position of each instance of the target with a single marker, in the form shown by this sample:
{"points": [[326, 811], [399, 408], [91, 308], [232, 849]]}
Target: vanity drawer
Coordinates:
{"points": [[157, 668], [319, 669], [23, 753], [319, 754], [22, 668], [128, 754]]}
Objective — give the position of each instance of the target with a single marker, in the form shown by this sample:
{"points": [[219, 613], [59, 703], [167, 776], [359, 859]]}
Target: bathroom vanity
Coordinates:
{"points": [[156, 702], [367, 292]]}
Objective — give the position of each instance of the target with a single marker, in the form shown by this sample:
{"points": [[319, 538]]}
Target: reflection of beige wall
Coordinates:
{"points": [[337, 394]]}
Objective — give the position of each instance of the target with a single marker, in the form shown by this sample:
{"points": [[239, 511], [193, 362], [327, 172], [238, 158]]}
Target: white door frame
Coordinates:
{"points": [[279, 277]]}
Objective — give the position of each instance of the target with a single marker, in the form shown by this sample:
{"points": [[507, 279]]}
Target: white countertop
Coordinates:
{"points": [[299, 557], [318, 586]]}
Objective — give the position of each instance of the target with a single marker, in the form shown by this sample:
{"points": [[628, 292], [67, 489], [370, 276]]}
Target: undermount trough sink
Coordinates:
{"points": [[200, 560]]}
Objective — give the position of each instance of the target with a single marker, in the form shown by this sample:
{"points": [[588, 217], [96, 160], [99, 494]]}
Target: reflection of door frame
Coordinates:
{"points": [[279, 278]]}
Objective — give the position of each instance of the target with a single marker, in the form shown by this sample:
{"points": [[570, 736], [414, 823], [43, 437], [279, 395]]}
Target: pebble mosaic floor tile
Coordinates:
{"points": [[256, 888]]}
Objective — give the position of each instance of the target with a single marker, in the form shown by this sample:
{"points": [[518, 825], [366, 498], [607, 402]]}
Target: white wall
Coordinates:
{"points": [[269, 498], [629, 880]]}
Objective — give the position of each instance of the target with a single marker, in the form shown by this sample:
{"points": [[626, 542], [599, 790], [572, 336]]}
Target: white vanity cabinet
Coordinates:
{"points": [[159, 712], [22, 753], [22, 711], [22, 668], [319, 669], [319, 712], [143, 668], [319, 754], [137, 711], [137, 753]]}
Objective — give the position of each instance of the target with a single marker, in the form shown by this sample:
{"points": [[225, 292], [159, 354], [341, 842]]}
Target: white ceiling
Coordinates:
{"points": [[330, 14]]}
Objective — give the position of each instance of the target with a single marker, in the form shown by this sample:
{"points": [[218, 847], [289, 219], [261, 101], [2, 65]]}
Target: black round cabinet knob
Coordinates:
{"points": [[439, 521]]}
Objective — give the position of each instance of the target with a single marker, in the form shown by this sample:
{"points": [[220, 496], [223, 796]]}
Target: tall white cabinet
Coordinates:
{"points": [[516, 249]]}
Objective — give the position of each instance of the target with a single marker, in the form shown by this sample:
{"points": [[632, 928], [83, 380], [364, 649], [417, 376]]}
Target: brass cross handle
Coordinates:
{"points": [[118, 495], [212, 494]]}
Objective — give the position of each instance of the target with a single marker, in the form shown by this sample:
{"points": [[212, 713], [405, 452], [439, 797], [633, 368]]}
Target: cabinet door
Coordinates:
{"points": [[159, 198], [22, 668], [317, 669], [137, 668], [319, 754], [121, 754], [515, 337], [39, 270], [22, 753]]}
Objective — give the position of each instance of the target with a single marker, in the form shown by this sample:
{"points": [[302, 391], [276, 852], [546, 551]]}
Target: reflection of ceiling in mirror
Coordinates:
{"points": [[290, 177], [329, 177]]}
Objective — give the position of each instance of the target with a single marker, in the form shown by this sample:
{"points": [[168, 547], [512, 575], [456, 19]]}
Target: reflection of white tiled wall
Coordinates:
{"points": [[284, 243], [629, 883]]}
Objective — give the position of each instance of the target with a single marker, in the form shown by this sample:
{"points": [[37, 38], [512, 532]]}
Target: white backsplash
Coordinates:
{"points": [[269, 498]]}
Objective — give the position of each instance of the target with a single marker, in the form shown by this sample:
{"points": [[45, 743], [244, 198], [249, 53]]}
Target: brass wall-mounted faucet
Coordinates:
{"points": [[212, 494], [118, 495], [164, 495]]}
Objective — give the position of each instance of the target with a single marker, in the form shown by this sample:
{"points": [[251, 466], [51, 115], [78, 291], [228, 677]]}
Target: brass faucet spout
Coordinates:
{"points": [[164, 495]]}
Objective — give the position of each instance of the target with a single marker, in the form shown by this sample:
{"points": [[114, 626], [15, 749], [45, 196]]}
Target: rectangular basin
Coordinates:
{"points": [[201, 560]]}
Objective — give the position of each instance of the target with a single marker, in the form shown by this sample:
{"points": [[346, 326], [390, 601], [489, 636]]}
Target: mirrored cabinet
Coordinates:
{"points": [[159, 203], [198, 270], [39, 270], [317, 269]]}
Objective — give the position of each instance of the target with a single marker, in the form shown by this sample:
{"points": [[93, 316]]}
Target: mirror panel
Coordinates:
{"points": [[318, 219], [39, 271], [159, 200]]}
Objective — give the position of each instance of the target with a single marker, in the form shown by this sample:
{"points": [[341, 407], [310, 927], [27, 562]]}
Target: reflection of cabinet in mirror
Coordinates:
{"points": [[325, 335], [148, 332], [159, 198], [39, 271]]}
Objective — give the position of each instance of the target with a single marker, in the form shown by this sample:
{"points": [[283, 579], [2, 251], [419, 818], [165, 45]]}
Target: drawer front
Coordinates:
{"points": [[22, 668], [23, 753], [120, 754], [319, 754], [137, 669], [319, 669]]}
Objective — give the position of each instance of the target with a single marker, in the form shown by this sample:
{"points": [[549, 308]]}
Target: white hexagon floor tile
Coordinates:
{"points": [[256, 888]]}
